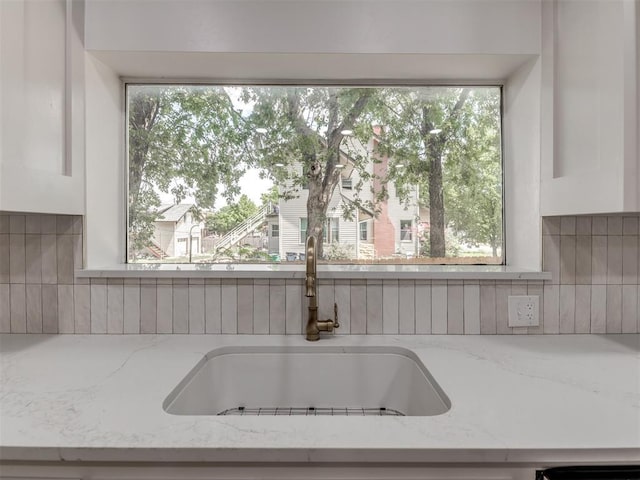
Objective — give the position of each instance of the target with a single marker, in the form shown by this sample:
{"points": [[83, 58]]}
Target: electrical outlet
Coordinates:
{"points": [[523, 310]]}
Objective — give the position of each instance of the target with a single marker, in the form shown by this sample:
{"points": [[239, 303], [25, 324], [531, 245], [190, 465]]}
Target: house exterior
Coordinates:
{"points": [[172, 229], [392, 231]]}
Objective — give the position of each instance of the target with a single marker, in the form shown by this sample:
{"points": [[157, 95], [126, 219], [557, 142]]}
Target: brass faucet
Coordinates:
{"points": [[315, 326]]}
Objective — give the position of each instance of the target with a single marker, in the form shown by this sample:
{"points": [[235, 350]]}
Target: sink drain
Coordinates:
{"points": [[314, 411]]}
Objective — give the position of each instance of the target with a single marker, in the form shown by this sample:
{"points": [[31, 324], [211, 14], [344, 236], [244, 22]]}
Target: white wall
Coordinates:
{"points": [[427, 41], [41, 99], [313, 26]]}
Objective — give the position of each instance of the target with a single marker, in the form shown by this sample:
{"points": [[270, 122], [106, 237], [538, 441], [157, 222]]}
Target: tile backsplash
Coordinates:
{"points": [[595, 289]]}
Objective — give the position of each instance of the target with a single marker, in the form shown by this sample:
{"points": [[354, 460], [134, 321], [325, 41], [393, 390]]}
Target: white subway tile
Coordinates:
{"points": [[293, 307], [614, 260], [64, 246], [471, 309], [502, 309], [32, 224], [34, 308], [343, 300], [630, 260], [18, 308], [148, 308], [64, 224], [245, 306], [583, 260], [131, 307], [551, 309], [277, 307], [326, 299], [261, 306], [551, 226], [599, 260], [17, 259], [567, 308], [48, 224], [614, 309], [82, 308], [390, 307], [66, 320], [438, 308], [164, 302], [4, 223], [196, 308], [630, 309], [180, 308], [229, 306], [568, 259], [5, 304], [598, 309], [406, 307], [551, 256], [583, 225], [455, 309], [374, 307], [567, 225], [49, 259], [488, 323], [423, 308], [4, 256], [115, 307], [33, 259], [614, 225], [50, 308], [583, 309], [599, 225], [630, 226], [213, 307], [17, 224]]}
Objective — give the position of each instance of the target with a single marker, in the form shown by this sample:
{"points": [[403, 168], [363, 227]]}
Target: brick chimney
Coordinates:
{"points": [[384, 232]]}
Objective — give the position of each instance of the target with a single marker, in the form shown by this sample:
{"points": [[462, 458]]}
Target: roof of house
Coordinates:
{"points": [[173, 213]]}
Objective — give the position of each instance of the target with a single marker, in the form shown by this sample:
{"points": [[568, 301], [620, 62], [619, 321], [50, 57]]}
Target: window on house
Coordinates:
{"points": [[406, 234], [303, 230], [363, 231], [226, 153]]}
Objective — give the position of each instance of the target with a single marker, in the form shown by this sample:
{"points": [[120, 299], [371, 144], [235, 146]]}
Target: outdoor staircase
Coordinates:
{"points": [[155, 250], [243, 229]]}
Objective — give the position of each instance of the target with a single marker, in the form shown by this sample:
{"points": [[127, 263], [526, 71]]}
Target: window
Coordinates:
{"points": [[303, 230], [331, 230], [406, 234], [363, 231], [225, 153]]}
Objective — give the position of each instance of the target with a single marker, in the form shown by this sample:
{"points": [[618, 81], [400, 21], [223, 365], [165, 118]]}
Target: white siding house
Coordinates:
{"points": [[392, 230], [172, 229]]}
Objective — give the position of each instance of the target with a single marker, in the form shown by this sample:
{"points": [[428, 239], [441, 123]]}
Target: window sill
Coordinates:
{"points": [[397, 272]]}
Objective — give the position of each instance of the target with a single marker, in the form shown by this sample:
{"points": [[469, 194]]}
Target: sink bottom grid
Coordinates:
{"points": [[313, 411]]}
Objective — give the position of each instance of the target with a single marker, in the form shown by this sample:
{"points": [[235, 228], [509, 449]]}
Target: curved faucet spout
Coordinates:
{"points": [[311, 266]]}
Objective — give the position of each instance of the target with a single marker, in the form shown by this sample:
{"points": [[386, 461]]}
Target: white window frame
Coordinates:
{"points": [[105, 227]]}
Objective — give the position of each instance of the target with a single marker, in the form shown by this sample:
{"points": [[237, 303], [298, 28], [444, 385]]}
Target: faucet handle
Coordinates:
{"points": [[335, 316]]}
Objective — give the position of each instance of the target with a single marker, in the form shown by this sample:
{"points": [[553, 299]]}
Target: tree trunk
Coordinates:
{"points": [[436, 204]]}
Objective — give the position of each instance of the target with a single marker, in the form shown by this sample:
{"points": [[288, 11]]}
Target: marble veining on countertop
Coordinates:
{"points": [[514, 399]]}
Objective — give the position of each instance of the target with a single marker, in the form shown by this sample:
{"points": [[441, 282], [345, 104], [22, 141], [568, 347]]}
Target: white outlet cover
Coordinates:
{"points": [[524, 310]]}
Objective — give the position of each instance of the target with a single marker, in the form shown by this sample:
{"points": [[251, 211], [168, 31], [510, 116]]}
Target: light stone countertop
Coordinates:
{"points": [[519, 399], [297, 271]]}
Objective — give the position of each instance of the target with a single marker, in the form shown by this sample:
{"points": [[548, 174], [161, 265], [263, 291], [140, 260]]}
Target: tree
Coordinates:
{"points": [[225, 219], [307, 126], [473, 174], [421, 125], [185, 141]]}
